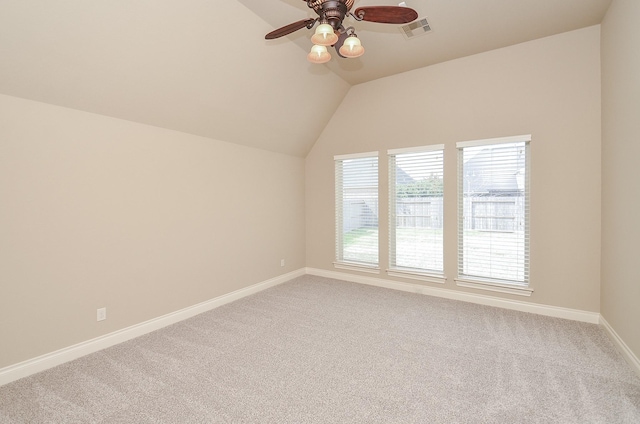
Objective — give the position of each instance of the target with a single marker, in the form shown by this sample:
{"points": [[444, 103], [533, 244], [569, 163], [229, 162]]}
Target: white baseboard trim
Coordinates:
{"points": [[50, 360], [552, 311], [626, 352]]}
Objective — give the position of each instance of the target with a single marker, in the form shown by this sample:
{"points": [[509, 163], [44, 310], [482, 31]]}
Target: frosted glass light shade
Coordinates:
{"points": [[324, 36], [352, 47], [318, 54]]}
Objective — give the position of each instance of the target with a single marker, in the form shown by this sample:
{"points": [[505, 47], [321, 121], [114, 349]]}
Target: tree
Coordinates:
{"points": [[428, 187]]}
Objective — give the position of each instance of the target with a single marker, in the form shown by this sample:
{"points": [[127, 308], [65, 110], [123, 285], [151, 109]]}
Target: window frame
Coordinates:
{"points": [[423, 274], [340, 262], [517, 287]]}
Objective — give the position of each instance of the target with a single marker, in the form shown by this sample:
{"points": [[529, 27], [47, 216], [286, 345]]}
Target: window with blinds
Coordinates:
{"points": [[416, 211], [357, 210], [493, 211]]}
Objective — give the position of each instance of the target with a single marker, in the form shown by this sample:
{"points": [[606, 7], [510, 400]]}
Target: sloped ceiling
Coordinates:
{"points": [[196, 66], [459, 28], [203, 66]]}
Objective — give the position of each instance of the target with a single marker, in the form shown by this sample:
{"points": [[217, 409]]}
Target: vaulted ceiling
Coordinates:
{"points": [[203, 66], [458, 28]]}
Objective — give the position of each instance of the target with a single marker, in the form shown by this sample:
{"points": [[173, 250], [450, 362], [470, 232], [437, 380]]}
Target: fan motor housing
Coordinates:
{"points": [[333, 11]]}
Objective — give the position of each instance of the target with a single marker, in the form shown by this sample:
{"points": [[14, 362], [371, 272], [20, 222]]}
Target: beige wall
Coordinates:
{"points": [[549, 88], [100, 212], [621, 170]]}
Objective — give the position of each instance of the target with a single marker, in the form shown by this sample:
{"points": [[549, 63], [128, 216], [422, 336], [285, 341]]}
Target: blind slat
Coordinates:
{"points": [[416, 209], [357, 208], [493, 211]]}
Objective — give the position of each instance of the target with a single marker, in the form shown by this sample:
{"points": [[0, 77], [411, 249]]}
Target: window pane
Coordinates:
{"points": [[357, 210], [493, 197], [416, 211]]}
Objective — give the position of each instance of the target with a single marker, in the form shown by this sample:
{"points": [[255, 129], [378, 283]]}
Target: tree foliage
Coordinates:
{"points": [[428, 187]]}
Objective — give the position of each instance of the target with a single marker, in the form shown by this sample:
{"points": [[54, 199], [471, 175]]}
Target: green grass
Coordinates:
{"points": [[355, 236], [362, 244]]}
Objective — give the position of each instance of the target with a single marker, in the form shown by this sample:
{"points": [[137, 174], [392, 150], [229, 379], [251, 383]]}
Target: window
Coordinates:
{"points": [[357, 211], [416, 212], [493, 214]]}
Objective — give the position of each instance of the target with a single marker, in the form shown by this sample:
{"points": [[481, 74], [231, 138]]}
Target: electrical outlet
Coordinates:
{"points": [[281, 262], [102, 314]]}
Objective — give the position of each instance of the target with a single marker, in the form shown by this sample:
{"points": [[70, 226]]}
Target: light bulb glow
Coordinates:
{"points": [[318, 54], [324, 36], [352, 47]]}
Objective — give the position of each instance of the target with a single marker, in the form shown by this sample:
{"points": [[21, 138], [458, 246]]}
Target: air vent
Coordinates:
{"points": [[416, 28]]}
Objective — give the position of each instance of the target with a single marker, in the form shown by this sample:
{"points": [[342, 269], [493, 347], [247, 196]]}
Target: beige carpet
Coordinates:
{"points": [[316, 350]]}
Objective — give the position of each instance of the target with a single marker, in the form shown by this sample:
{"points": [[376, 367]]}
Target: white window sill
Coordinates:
{"points": [[495, 287], [417, 275], [371, 269]]}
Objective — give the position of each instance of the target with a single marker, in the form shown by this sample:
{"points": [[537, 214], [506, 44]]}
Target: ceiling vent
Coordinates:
{"points": [[416, 28]]}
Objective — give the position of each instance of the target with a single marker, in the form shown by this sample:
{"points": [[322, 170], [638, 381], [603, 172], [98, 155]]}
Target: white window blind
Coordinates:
{"points": [[416, 210], [357, 209], [493, 202]]}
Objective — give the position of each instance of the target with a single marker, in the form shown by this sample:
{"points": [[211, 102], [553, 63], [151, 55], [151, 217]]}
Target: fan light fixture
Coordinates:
{"points": [[332, 32], [318, 54], [324, 36], [352, 47]]}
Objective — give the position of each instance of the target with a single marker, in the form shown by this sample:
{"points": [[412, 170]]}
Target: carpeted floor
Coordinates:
{"points": [[316, 350]]}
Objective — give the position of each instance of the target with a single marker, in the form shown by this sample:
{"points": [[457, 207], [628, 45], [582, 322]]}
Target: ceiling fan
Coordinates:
{"points": [[331, 31]]}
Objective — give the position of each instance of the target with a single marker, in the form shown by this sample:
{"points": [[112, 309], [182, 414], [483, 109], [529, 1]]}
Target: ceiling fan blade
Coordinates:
{"points": [[288, 29], [387, 14]]}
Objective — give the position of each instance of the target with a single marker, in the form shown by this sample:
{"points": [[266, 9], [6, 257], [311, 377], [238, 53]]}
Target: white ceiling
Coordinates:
{"points": [[459, 28], [203, 66]]}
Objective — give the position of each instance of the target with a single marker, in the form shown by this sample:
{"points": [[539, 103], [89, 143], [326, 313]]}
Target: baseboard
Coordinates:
{"points": [[552, 311], [626, 352], [50, 360]]}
